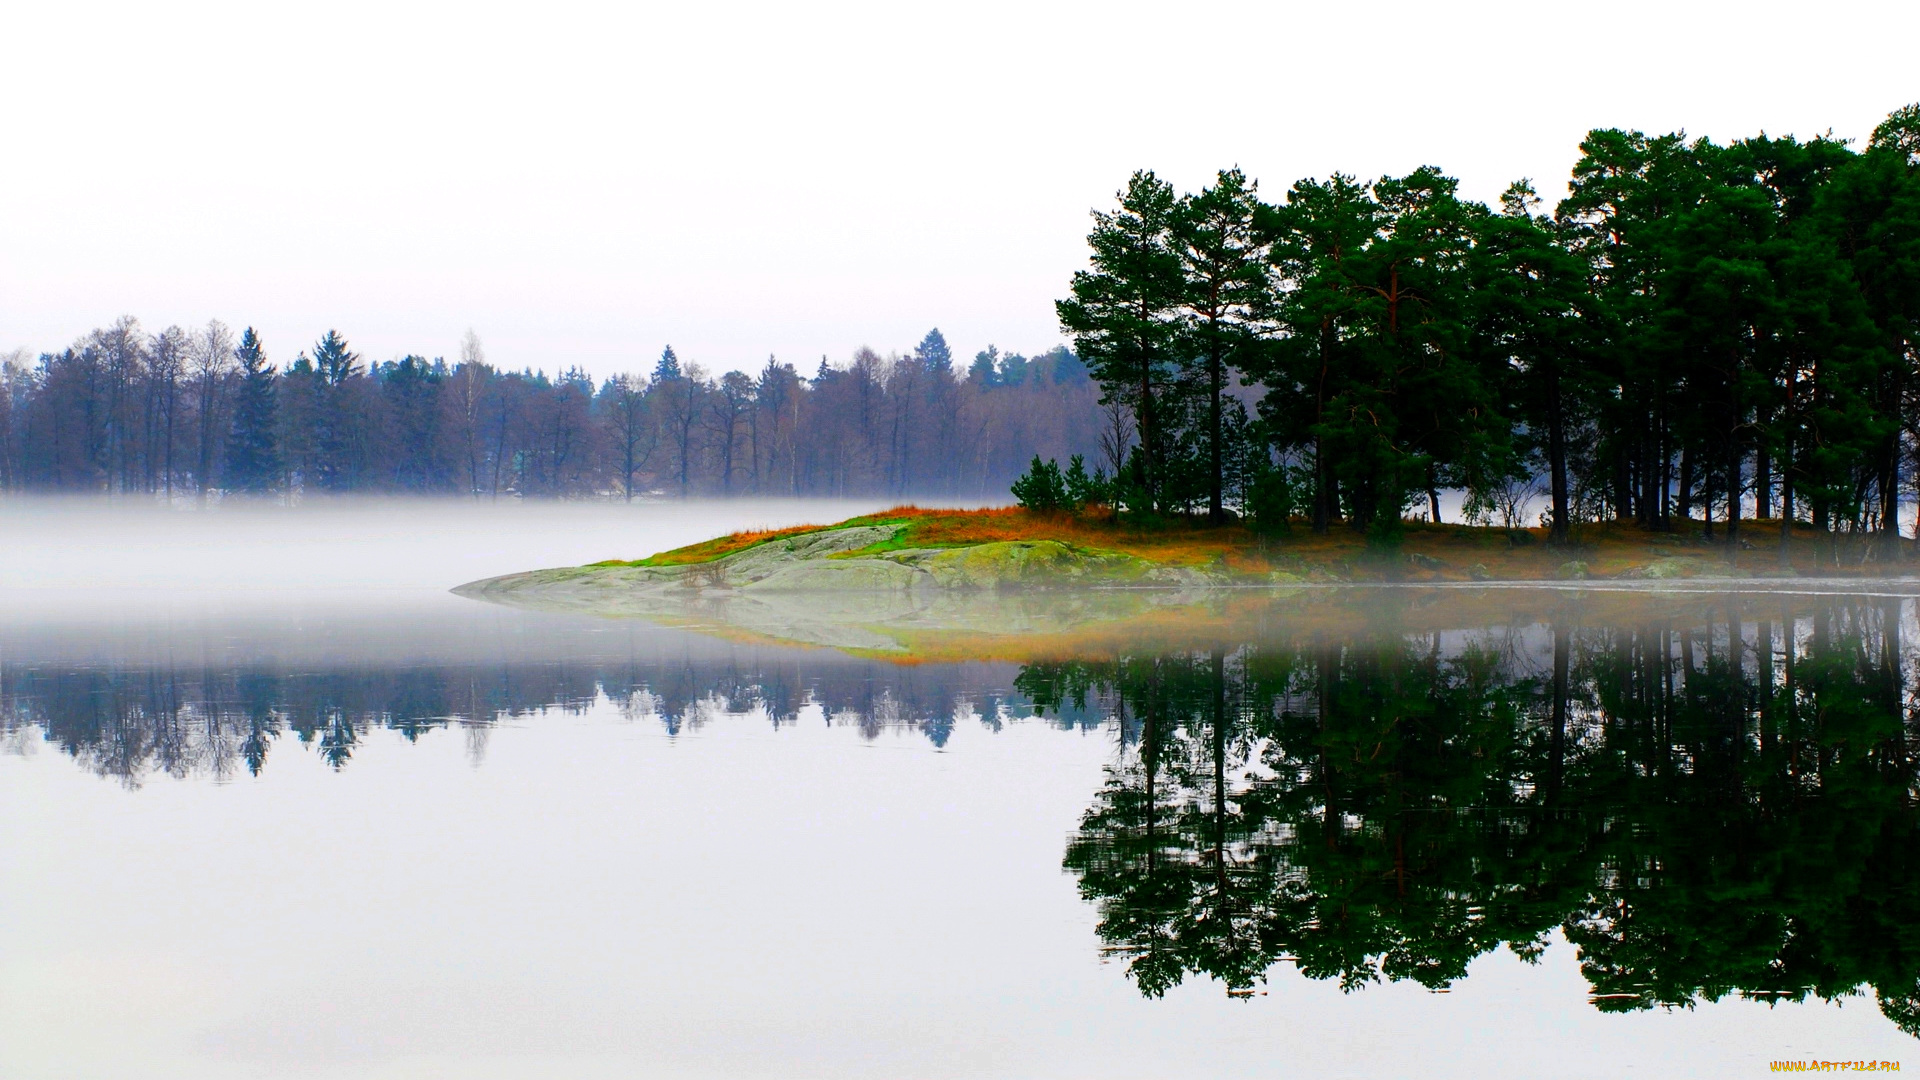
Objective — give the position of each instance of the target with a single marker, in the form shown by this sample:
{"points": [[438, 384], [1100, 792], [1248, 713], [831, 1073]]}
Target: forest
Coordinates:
{"points": [[1697, 333], [192, 414]]}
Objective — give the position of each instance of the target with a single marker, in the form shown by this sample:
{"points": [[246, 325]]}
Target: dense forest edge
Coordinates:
{"points": [[1713, 342], [1698, 333]]}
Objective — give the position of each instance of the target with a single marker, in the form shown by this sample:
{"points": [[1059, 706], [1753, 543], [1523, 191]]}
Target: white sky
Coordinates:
{"points": [[583, 183]]}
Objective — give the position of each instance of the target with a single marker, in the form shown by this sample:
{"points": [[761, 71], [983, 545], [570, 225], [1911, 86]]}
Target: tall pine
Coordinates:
{"points": [[253, 456], [1124, 310]]}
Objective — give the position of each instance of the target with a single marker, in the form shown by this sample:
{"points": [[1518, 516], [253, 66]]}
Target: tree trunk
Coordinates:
{"points": [[1562, 650], [1322, 475], [1734, 457], [1685, 496], [1147, 433], [1216, 511], [1786, 504], [1556, 461]]}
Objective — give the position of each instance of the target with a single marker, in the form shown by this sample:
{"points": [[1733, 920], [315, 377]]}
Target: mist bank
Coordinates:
{"points": [[64, 556]]}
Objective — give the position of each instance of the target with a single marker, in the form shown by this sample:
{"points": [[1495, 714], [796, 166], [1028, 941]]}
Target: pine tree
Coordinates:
{"points": [[334, 362], [1532, 328], [1123, 311], [1307, 370], [336, 463], [668, 369], [933, 353], [1224, 300], [253, 458]]}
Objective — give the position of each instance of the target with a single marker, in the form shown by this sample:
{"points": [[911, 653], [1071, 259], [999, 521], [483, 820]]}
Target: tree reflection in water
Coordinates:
{"points": [[1716, 799], [1704, 807], [136, 721]]}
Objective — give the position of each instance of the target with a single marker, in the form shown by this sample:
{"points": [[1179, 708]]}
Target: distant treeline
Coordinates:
{"points": [[1694, 328], [193, 412]]}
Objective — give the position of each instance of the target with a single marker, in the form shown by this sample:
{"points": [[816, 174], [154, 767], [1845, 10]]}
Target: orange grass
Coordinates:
{"points": [[718, 547], [1504, 554]]}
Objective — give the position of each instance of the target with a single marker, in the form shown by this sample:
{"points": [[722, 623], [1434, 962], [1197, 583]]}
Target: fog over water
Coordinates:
{"points": [[274, 803], [71, 546]]}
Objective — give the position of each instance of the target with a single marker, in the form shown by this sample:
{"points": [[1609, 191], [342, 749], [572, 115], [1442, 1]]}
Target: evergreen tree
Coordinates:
{"points": [[933, 354], [1123, 312], [253, 458], [1224, 301], [333, 361], [1530, 323], [337, 457], [985, 369], [1316, 236], [668, 369]]}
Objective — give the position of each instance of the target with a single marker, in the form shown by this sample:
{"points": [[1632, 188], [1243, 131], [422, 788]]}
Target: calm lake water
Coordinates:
{"points": [[279, 824]]}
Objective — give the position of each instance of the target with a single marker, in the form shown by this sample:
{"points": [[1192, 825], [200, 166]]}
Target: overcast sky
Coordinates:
{"points": [[582, 184]]}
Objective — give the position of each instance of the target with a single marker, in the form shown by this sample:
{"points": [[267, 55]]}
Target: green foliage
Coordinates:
{"points": [[1046, 487], [1694, 325], [1042, 487], [1079, 488], [1123, 312], [1272, 500]]}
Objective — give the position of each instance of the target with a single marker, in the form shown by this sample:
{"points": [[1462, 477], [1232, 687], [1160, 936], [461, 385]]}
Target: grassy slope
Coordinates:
{"points": [[1462, 552]]}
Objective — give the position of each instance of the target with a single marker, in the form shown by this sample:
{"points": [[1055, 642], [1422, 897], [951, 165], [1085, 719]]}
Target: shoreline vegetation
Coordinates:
{"points": [[918, 585], [1020, 547], [1237, 554], [1704, 360]]}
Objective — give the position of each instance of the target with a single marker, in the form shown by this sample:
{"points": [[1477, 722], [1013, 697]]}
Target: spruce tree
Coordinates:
{"points": [[933, 353], [668, 369], [253, 459]]}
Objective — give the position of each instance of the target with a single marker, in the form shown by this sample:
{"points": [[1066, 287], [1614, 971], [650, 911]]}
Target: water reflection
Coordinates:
{"points": [[1707, 796], [133, 722], [1721, 803]]}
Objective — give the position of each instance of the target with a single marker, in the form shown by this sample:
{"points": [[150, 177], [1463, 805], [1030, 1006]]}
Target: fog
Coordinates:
{"points": [[81, 546]]}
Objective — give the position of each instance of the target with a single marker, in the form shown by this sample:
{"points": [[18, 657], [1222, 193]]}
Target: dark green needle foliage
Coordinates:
{"points": [[1700, 334], [253, 459], [1042, 487], [1124, 313]]}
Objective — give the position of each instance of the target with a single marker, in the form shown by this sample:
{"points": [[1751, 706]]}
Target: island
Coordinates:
{"points": [[885, 582]]}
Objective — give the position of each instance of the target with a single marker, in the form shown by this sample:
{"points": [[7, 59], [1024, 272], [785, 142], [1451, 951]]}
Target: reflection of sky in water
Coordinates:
{"points": [[484, 842]]}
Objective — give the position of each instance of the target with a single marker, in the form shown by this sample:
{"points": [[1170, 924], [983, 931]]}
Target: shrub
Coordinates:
{"points": [[1043, 488]]}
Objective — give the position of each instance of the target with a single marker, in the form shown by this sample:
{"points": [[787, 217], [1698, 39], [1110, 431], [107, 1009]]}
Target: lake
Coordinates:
{"points": [[273, 803]]}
